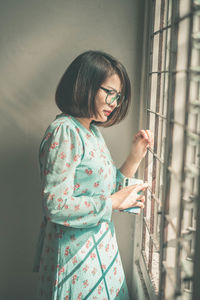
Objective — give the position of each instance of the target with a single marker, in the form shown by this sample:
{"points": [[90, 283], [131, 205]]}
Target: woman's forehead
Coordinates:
{"points": [[113, 82]]}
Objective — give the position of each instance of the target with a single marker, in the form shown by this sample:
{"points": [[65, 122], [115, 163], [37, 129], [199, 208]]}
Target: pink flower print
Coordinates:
{"points": [[88, 243], [77, 207], [102, 197], [117, 292], [54, 145], [67, 297], [85, 269], [111, 290], [47, 136], [72, 146], [66, 191], [99, 289], [92, 255], [88, 171], [64, 179], [76, 157], [77, 186], [91, 153], [84, 191], [46, 172], [115, 270], [67, 165], [79, 296], [120, 280], [72, 238], [107, 248], [66, 206], [88, 136], [101, 245], [103, 266], [94, 271], [85, 283], [74, 260], [62, 155], [91, 212], [65, 223], [51, 197], [60, 200], [87, 204], [100, 171], [74, 278], [67, 251], [96, 184], [61, 271]]}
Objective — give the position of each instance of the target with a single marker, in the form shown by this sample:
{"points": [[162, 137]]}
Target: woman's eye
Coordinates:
{"points": [[111, 92]]}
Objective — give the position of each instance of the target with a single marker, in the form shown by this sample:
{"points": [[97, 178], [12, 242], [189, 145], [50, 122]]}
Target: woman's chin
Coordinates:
{"points": [[101, 119]]}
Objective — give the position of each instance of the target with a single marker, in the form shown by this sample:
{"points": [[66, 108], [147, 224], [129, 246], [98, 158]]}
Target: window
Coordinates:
{"points": [[172, 111]]}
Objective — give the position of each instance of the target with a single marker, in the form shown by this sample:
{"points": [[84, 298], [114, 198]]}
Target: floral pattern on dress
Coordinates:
{"points": [[77, 254]]}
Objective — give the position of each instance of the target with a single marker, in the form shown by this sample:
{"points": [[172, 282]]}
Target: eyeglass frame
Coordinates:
{"points": [[116, 97]]}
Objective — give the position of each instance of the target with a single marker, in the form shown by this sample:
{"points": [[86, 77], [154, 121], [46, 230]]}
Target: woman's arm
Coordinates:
{"points": [[129, 167], [60, 154]]}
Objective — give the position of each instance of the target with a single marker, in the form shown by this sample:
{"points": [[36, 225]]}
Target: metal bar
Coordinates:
{"points": [[155, 242], [158, 72], [178, 266], [156, 156], [148, 117], [167, 151], [175, 23], [160, 47], [196, 276], [156, 113]]}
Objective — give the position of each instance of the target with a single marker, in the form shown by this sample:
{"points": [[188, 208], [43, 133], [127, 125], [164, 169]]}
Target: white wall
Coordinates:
{"points": [[38, 40]]}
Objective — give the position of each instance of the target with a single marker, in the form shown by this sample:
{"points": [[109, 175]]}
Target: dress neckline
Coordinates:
{"points": [[92, 128]]}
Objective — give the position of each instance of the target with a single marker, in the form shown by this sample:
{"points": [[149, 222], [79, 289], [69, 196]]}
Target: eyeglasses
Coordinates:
{"points": [[112, 96]]}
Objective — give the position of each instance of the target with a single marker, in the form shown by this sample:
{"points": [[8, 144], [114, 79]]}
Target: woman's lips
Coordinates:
{"points": [[107, 112]]}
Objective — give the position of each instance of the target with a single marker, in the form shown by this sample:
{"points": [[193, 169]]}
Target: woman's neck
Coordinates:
{"points": [[85, 122]]}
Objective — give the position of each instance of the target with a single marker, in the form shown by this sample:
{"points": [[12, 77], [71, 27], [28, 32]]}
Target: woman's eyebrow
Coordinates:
{"points": [[112, 88]]}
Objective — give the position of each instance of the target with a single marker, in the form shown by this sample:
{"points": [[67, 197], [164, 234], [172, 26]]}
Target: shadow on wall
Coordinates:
{"points": [[38, 36]]}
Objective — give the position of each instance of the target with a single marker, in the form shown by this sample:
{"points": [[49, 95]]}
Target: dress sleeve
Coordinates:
{"points": [[60, 154]]}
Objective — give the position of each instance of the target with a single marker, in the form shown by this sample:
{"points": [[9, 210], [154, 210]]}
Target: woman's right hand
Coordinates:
{"points": [[129, 197]]}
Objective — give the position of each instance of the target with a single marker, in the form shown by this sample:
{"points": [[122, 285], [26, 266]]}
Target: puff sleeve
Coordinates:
{"points": [[60, 154]]}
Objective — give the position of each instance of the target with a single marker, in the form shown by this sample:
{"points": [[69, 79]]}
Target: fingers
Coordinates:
{"points": [[141, 198], [147, 135], [141, 187], [140, 204]]}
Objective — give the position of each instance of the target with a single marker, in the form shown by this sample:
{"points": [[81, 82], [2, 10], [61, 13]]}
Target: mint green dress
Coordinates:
{"points": [[77, 255]]}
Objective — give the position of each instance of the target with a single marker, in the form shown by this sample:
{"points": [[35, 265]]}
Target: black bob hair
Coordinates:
{"points": [[76, 91]]}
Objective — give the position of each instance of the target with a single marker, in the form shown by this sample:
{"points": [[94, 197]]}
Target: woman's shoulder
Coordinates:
{"points": [[62, 126], [62, 121]]}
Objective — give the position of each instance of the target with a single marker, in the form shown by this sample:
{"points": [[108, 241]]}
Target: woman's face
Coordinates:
{"points": [[103, 110]]}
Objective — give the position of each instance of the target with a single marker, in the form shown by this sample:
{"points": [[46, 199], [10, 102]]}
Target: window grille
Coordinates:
{"points": [[172, 168]]}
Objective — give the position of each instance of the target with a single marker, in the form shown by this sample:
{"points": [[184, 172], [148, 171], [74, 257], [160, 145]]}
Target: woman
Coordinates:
{"points": [[77, 254]]}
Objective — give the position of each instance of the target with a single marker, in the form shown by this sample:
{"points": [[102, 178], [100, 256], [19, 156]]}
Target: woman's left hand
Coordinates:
{"points": [[141, 141]]}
